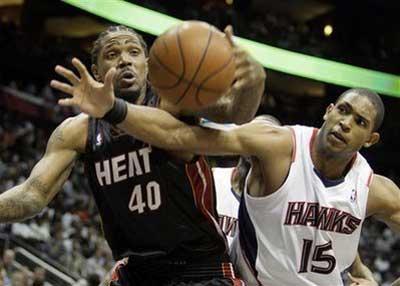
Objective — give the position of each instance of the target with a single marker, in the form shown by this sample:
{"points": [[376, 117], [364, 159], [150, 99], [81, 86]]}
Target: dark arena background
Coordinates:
{"points": [[64, 245]]}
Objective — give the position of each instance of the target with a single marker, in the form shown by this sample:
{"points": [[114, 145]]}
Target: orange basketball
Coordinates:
{"points": [[191, 65]]}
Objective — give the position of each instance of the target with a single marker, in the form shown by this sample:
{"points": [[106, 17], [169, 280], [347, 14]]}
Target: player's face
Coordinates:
{"points": [[349, 125], [122, 50]]}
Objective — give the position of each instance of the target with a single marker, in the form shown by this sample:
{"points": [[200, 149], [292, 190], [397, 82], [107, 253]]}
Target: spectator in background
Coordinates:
{"points": [[39, 277], [93, 280], [8, 261], [19, 278]]}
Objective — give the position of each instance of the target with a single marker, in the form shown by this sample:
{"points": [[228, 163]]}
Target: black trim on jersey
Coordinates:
{"points": [[328, 182], [236, 195], [247, 236]]}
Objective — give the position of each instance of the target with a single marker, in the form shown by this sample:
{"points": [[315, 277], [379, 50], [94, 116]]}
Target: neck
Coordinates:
{"points": [[331, 165], [135, 97]]}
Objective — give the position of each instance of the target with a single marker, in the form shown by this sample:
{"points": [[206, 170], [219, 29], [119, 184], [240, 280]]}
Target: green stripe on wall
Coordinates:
{"points": [[281, 60]]}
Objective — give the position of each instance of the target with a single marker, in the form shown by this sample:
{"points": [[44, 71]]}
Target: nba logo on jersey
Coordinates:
{"points": [[353, 196], [99, 139]]}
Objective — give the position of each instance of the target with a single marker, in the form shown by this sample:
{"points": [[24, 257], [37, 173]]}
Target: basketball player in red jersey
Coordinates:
{"points": [[150, 200], [301, 215]]}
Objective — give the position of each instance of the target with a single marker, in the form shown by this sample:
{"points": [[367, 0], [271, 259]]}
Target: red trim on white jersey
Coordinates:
{"points": [[371, 175], [294, 144]]}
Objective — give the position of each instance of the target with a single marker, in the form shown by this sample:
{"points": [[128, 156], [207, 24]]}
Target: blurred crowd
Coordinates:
{"points": [[68, 230]]}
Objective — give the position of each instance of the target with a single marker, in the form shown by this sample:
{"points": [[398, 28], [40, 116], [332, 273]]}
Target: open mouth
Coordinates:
{"points": [[127, 78], [338, 137]]}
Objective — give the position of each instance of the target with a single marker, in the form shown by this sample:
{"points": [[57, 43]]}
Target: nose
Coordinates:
{"points": [[345, 123], [124, 60]]}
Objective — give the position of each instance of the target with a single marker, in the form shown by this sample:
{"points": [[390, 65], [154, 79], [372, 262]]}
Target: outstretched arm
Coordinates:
{"points": [[46, 179], [240, 103], [161, 129]]}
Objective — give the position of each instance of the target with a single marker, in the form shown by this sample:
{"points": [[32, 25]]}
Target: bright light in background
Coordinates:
{"points": [[229, 2], [328, 30], [319, 69]]}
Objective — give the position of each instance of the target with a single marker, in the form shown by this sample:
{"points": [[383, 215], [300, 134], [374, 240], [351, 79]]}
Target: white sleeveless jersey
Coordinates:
{"points": [[307, 232], [227, 202]]}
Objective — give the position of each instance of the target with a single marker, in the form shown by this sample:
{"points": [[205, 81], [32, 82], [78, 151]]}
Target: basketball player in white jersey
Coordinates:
{"points": [[307, 194], [230, 183], [229, 186]]}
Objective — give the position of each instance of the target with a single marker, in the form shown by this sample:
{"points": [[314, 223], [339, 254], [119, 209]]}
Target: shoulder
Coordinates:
{"points": [[383, 185], [272, 139], [70, 134], [383, 195]]}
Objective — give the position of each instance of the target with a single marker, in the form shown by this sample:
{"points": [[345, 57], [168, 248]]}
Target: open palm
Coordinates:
{"points": [[90, 96]]}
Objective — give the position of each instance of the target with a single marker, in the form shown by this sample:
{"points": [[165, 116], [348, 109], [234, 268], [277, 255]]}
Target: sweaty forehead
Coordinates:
{"points": [[119, 38], [360, 104]]}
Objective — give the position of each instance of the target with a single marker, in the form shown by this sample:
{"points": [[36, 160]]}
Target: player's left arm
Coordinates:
{"points": [[384, 201], [240, 103]]}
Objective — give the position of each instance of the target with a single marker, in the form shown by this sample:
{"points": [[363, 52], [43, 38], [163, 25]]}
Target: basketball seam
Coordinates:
{"points": [[198, 67], [211, 76], [166, 68], [182, 57], [183, 79]]}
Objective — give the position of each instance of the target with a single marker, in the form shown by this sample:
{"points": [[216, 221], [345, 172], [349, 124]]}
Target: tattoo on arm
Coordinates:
{"points": [[27, 200], [58, 135], [20, 204]]}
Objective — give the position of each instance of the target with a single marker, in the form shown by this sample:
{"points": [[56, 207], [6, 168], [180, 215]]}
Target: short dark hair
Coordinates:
{"points": [[97, 44], [376, 101]]}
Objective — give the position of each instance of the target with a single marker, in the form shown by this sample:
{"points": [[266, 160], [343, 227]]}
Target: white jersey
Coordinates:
{"points": [[307, 232], [227, 202]]}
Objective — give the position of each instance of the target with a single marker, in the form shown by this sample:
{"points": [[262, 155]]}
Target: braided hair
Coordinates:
{"points": [[97, 44]]}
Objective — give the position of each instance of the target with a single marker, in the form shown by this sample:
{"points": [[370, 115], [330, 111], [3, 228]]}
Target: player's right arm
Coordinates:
{"points": [[48, 175]]}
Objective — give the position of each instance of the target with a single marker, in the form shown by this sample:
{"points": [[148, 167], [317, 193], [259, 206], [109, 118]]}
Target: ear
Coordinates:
{"points": [[373, 139], [328, 109], [95, 72]]}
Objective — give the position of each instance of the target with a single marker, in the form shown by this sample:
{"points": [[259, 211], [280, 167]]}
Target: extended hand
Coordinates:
{"points": [[248, 72], [92, 97], [356, 281]]}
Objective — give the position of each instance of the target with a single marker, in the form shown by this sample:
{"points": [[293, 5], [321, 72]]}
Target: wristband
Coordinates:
{"points": [[117, 113]]}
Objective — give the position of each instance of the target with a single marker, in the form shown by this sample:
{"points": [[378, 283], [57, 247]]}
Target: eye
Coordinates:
{"points": [[361, 122], [341, 109], [111, 54], [134, 52]]}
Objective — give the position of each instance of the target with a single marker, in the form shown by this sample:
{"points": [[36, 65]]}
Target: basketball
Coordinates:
{"points": [[191, 65]]}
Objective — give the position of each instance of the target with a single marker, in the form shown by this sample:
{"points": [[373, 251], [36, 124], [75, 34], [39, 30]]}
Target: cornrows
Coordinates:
{"points": [[97, 44]]}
